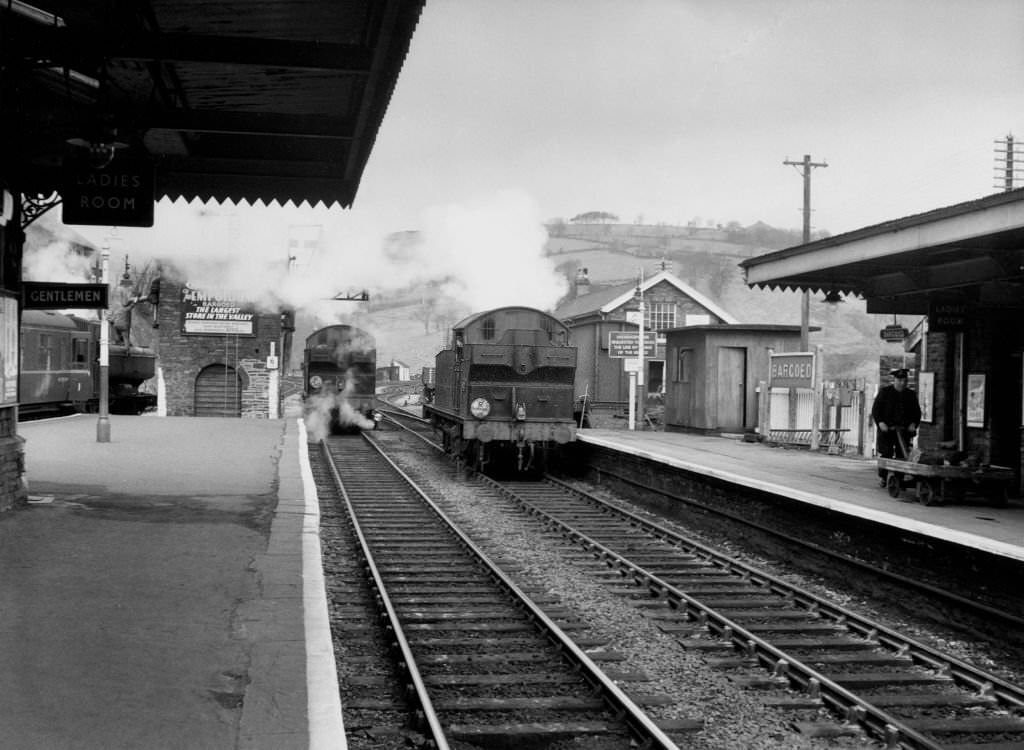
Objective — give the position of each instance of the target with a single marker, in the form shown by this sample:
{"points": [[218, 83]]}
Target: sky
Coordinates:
{"points": [[509, 113], [670, 110]]}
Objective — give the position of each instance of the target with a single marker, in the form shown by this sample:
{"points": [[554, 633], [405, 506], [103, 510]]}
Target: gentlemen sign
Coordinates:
{"points": [[120, 194], [54, 296], [791, 370]]}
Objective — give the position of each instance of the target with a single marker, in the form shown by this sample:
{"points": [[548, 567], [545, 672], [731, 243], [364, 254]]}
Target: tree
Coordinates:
{"points": [[594, 217]]}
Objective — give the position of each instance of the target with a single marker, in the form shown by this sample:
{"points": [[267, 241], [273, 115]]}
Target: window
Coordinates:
{"points": [[658, 315], [488, 329], [80, 354], [684, 365]]}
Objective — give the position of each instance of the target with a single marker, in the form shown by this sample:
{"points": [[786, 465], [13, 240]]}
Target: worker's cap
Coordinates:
{"points": [[900, 372]]}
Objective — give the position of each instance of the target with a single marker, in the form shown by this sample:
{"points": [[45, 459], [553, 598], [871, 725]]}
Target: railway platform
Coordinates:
{"points": [[841, 484], [164, 590]]}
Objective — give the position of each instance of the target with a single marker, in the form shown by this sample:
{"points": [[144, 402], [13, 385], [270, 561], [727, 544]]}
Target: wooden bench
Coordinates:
{"points": [[828, 439]]}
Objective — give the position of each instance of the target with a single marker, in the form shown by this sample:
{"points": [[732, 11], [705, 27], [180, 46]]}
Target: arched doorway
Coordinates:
{"points": [[218, 392]]}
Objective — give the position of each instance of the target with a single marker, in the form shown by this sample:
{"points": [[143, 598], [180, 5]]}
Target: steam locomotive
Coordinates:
{"points": [[503, 391], [339, 374], [60, 368]]}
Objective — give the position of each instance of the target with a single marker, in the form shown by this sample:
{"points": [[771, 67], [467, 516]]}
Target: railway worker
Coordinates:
{"points": [[896, 413]]}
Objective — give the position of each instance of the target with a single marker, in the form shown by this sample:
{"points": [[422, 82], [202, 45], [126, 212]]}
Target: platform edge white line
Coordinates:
{"points": [[326, 727]]}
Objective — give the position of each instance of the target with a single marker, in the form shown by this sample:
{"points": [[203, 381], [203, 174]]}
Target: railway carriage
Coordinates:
{"points": [[339, 374], [503, 390], [59, 370]]}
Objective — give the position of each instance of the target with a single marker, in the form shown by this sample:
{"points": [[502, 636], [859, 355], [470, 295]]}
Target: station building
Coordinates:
{"points": [[594, 316], [218, 354], [961, 268]]}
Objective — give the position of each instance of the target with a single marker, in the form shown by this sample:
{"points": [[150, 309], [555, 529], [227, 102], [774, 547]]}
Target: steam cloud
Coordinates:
{"points": [[484, 254]]}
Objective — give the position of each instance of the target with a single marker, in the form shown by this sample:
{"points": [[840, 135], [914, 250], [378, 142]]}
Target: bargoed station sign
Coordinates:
{"points": [[47, 295], [793, 370]]}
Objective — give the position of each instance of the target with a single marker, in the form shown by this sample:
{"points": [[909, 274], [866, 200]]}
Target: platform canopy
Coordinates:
{"points": [[242, 100], [973, 249]]}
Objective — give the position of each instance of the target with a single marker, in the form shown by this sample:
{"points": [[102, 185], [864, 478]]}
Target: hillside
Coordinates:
{"points": [[708, 260]]}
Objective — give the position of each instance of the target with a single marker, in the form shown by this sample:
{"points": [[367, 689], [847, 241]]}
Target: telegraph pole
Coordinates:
{"points": [[805, 306]]}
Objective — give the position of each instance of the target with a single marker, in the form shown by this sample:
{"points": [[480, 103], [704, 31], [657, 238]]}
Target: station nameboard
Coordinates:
{"points": [[46, 295], [893, 333], [623, 344], [795, 370]]}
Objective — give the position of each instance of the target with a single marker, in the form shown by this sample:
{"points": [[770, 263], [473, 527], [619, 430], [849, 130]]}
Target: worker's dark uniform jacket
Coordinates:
{"points": [[900, 412]]}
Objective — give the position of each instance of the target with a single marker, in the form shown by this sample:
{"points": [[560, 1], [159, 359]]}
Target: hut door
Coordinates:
{"points": [[732, 379], [218, 392]]}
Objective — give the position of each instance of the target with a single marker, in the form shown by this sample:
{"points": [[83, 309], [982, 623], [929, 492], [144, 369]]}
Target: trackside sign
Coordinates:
{"points": [[795, 370]]}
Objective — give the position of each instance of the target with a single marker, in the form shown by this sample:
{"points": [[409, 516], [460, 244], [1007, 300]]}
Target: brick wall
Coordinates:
{"points": [[182, 357]]}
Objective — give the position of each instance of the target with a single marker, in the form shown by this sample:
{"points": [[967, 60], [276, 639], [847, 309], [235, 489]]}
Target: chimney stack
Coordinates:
{"points": [[582, 282]]}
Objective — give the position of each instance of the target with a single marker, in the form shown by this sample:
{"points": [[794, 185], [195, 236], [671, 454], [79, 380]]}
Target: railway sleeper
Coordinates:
{"points": [[873, 680], [980, 725], [928, 700], [539, 678], [522, 734], [793, 627], [543, 703], [726, 602], [874, 656], [523, 657]]}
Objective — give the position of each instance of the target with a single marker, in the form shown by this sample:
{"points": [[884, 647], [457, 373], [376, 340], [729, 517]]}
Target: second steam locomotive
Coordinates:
{"points": [[503, 391], [339, 373]]}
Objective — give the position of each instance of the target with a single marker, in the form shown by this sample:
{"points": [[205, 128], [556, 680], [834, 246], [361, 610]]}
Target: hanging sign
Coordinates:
{"points": [[119, 194], [893, 333]]}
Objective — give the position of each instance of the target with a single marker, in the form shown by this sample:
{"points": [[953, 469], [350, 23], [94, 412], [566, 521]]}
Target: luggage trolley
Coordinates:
{"points": [[935, 484]]}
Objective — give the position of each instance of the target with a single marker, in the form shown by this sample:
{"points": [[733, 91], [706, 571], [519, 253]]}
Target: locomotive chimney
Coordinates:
{"points": [[582, 282]]}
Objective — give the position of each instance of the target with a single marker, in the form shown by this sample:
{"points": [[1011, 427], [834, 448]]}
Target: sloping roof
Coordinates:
{"points": [[591, 302], [239, 100], [612, 298], [976, 245]]}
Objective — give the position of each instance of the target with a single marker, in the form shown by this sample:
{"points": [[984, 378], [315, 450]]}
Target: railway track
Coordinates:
{"points": [[477, 659], [902, 691], [803, 651]]}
